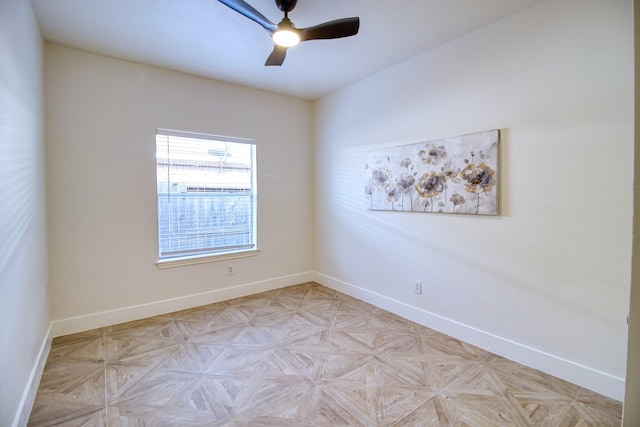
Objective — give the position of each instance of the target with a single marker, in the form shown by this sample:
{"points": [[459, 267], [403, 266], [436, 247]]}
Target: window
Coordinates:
{"points": [[206, 189]]}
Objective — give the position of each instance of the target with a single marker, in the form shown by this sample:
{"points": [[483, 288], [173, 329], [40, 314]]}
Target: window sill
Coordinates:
{"points": [[201, 259]]}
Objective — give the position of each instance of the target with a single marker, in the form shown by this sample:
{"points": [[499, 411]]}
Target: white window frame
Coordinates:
{"points": [[219, 255]]}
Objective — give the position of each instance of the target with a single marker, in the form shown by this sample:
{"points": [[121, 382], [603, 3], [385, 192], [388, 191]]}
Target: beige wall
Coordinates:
{"points": [[102, 115], [24, 313], [632, 390], [547, 282]]}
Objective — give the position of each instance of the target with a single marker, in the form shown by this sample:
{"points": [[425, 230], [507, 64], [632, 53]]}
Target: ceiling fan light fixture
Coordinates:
{"points": [[286, 38], [286, 35]]}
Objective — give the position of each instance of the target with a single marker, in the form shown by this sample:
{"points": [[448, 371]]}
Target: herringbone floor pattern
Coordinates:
{"points": [[299, 356]]}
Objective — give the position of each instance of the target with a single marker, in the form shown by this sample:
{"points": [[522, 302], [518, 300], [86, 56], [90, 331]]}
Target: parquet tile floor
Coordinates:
{"points": [[300, 356]]}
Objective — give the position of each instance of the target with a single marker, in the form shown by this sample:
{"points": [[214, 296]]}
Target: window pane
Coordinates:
{"points": [[206, 194]]}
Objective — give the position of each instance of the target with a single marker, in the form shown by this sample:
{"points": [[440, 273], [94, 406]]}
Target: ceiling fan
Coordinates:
{"points": [[286, 35]]}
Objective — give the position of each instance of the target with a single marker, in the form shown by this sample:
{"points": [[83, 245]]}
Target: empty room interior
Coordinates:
{"points": [[353, 286]]}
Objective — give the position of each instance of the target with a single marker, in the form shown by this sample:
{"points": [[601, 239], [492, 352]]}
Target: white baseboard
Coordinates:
{"points": [[127, 314], [567, 370], [31, 388]]}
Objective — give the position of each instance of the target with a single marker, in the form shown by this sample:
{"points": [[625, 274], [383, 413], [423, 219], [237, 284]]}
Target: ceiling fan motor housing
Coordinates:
{"points": [[286, 5]]}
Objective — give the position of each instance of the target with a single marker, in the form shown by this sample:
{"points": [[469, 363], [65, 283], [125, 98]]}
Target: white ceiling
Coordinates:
{"points": [[205, 37]]}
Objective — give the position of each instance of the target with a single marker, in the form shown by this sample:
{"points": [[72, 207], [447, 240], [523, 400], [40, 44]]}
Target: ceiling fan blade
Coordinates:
{"points": [[247, 10], [331, 30], [277, 56]]}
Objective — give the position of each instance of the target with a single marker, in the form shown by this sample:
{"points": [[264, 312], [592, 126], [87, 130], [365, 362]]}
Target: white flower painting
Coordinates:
{"points": [[457, 175]]}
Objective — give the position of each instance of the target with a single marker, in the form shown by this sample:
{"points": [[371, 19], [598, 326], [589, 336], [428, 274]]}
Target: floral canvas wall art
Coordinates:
{"points": [[457, 175]]}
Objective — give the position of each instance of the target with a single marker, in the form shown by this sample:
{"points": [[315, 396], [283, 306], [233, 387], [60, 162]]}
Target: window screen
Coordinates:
{"points": [[206, 194]]}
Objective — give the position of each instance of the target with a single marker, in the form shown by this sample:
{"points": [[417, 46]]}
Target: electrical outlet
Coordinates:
{"points": [[417, 287], [230, 270]]}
